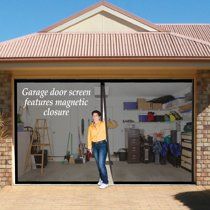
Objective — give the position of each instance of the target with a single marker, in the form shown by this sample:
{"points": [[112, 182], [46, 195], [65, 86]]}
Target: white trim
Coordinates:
{"points": [[98, 10]]}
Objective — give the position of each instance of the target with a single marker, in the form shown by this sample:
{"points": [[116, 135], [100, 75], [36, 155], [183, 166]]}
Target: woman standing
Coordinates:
{"points": [[97, 144]]}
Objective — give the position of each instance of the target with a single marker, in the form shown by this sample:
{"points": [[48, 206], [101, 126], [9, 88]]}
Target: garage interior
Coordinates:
{"points": [[150, 130]]}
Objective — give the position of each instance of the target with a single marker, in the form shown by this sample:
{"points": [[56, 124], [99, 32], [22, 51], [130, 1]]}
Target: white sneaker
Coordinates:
{"points": [[103, 185], [100, 182]]}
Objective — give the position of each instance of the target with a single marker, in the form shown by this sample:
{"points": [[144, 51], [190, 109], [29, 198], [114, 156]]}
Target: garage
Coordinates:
{"points": [[150, 81], [150, 131]]}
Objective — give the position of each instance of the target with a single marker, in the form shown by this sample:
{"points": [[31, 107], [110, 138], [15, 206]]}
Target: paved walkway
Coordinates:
{"points": [[122, 197]]}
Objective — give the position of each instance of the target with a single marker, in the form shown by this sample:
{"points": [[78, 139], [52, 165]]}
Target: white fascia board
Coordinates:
{"points": [[100, 9]]}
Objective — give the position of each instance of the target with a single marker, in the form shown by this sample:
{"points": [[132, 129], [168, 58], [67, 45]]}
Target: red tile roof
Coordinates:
{"points": [[96, 45], [199, 31], [169, 41]]}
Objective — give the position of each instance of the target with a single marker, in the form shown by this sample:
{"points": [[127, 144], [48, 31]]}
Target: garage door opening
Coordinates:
{"points": [[52, 117], [151, 131], [149, 125]]}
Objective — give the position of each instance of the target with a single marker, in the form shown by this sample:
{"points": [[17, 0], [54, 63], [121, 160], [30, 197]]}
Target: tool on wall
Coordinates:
{"points": [[112, 124], [83, 126], [79, 137]]}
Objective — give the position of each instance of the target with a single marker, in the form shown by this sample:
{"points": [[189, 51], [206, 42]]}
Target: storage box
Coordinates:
{"points": [[157, 106], [159, 118], [141, 100], [186, 107], [130, 105], [150, 116], [142, 118], [143, 104]]}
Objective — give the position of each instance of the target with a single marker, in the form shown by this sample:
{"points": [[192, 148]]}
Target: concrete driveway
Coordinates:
{"points": [[78, 197]]}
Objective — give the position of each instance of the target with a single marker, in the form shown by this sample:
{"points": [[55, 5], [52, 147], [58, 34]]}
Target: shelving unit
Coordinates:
{"points": [[154, 126], [179, 105], [151, 122], [186, 157], [175, 108]]}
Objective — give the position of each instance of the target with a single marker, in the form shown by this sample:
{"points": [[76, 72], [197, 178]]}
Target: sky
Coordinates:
{"points": [[21, 17]]}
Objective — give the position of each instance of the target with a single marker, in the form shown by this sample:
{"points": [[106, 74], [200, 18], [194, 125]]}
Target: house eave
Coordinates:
{"points": [[109, 59]]}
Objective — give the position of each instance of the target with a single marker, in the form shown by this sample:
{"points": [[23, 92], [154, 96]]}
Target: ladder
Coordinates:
{"points": [[40, 141]]}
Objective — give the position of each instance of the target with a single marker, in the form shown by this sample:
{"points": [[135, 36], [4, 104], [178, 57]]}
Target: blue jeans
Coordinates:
{"points": [[100, 153]]}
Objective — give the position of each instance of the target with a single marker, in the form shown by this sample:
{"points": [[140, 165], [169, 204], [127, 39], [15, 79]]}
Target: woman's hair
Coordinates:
{"points": [[96, 111]]}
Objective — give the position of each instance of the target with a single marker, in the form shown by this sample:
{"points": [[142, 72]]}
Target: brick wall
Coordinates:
{"points": [[203, 129], [6, 144]]}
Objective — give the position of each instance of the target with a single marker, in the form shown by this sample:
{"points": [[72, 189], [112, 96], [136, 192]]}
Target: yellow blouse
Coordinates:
{"points": [[96, 132]]}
